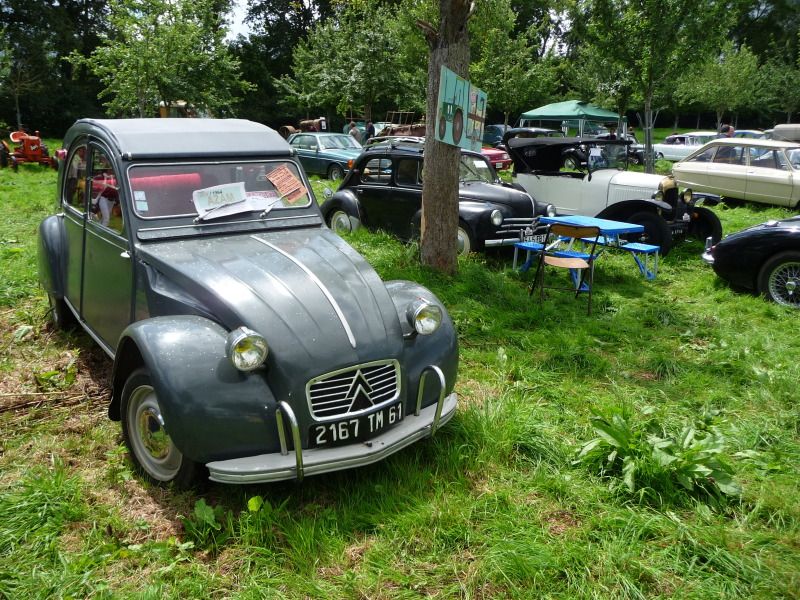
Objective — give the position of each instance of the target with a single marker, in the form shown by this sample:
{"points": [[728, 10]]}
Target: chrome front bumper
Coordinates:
{"points": [[295, 465]]}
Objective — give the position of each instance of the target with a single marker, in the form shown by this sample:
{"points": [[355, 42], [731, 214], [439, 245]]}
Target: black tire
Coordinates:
{"points": [[61, 317], [656, 231], [3, 157], [659, 156], [335, 172], [571, 163], [151, 449], [732, 202], [458, 126], [466, 240], [343, 223], [779, 279], [704, 224]]}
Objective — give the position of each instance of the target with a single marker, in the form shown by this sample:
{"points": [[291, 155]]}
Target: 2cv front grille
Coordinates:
{"points": [[353, 390]]}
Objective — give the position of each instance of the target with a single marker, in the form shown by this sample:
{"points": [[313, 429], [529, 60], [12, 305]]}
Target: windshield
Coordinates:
{"points": [[215, 190], [607, 156], [338, 141], [475, 168]]}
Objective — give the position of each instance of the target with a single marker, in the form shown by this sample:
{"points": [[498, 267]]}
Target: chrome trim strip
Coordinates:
{"points": [[283, 407], [196, 225], [319, 284], [274, 467]]}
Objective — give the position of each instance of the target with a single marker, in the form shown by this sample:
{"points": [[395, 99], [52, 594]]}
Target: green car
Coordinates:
{"points": [[325, 154]]}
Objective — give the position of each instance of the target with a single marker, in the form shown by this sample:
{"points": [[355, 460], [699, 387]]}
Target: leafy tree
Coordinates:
{"points": [[724, 83], [780, 83], [344, 64], [510, 70], [653, 41], [165, 51]]}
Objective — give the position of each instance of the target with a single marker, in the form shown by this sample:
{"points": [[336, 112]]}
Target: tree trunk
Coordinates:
{"points": [[649, 159], [449, 46]]}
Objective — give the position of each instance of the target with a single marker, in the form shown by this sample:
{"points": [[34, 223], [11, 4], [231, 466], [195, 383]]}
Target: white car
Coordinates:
{"points": [[681, 145], [598, 185], [757, 170]]}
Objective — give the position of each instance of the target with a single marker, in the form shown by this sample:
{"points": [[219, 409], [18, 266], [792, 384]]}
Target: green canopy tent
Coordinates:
{"points": [[573, 112]]}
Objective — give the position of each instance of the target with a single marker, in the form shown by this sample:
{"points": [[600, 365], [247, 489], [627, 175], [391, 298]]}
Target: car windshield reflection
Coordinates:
{"points": [[215, 190], [473, 168]]}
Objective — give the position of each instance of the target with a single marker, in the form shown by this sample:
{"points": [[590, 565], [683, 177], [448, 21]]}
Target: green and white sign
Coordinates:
{"points": [[462, 112]]}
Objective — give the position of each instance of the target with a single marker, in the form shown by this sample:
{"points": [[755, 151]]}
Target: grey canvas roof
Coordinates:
{"points": [[155, 138]]}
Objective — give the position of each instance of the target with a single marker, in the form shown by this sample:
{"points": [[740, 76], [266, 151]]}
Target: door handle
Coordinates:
{"points": [[124, 254]]}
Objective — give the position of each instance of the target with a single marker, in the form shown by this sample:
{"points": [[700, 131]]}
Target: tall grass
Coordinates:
{"points": [[497, 505]]}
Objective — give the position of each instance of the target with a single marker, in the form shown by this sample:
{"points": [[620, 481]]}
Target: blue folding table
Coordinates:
{"points": [[610, 237]]}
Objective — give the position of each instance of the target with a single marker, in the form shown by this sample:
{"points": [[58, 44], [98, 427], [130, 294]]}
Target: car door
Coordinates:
{"points": [[306, 147], [74, 199], [769, 177], [107, 292], [374, 192], [406, 197], [693, 172], [727, 173]]}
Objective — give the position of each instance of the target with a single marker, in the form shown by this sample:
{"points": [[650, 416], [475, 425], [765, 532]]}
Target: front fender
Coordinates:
{"points": [[620, 210], [420, 351], [52, 255], [211, 410], [345, 200]]}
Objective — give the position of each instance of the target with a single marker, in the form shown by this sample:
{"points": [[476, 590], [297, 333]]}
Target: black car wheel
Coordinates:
{"points": [[335, 172], [340, 222], [4, 156], [779, 279], [656, 231], [61, 316], [705, 224], [146, 436], [466, 241], [659, 156], [458, 126]]}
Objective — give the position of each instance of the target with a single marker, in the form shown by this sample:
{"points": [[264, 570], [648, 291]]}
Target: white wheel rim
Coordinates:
{"points": [[149, 439], [784, 284], [463, 242], [340, 222]]}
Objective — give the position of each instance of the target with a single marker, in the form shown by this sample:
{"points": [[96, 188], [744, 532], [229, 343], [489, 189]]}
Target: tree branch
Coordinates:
{"points": [[431, 35]]}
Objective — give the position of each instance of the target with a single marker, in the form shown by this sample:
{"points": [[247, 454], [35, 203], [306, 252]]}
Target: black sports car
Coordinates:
{"points": [[764, 258], [384, 191]]}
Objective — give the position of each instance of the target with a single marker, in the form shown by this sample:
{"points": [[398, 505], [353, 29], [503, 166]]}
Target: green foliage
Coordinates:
{"points": [[208, 527], [164, 51], [650, 458]]}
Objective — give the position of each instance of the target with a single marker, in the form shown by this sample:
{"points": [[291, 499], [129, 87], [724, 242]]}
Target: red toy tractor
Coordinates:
{"points": [[27, 149]]}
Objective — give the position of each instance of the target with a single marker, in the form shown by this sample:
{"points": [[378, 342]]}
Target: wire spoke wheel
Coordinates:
{"points": [[784, 284]]}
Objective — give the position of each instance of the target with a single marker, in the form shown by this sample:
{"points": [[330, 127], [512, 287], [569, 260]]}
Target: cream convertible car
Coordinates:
{"points": [[765, 171]]}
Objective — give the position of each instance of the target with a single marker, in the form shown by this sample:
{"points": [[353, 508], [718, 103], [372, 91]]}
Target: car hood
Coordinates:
{"points": [[306, 291], [340, 153], [633, 179], [480, 191]]}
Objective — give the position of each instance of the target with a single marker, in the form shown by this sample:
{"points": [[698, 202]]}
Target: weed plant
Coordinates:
{"points": [[650, 450]]}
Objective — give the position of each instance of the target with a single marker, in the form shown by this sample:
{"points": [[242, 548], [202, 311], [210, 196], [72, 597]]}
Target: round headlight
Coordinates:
{"points": [[659, 195], [497, 218], [246, 349], [550, 210], [424, 317], [687, 195]]}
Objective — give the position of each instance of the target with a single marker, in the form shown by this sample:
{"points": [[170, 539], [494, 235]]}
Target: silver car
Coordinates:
{"points": [[757, 170], [680, 145]]}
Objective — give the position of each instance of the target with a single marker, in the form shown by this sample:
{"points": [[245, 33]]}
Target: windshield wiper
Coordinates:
{"points": [[205, 215]]}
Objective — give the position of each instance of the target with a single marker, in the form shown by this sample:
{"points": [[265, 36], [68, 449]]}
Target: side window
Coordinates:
{"points": [[704, 156], [104, 195], [407, 172], [377, 170], [732, 155], [75, 183]]}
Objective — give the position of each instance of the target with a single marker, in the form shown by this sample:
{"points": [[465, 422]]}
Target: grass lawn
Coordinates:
{"points": [[651, 450]]}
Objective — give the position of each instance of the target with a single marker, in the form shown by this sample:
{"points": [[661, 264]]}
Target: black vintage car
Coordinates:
{"points": [[250, 343], [764, 258], [384, 191]]}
